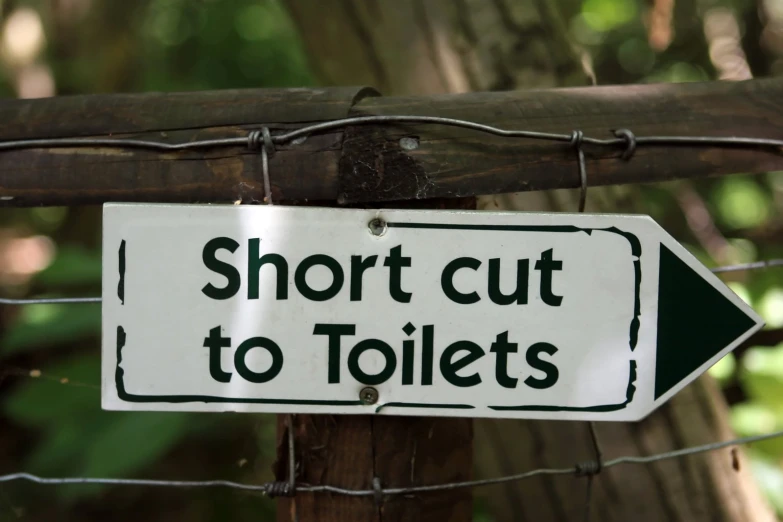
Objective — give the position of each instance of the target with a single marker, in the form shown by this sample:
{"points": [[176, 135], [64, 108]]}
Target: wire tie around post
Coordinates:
{"points": [[587, 469], [377, 491], [253, 138], [286, 488], [576, 141], [278, 489], [266, 150], [591, 469], [630, 142]]}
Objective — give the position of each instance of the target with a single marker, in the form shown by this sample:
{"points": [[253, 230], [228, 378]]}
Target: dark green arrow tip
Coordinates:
{"points": [[695, 322]]}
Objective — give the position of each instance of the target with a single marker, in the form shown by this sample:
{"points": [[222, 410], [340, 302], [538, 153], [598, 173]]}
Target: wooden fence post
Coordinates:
{"points": [[366, 165], [350, 451], [450, 162]]}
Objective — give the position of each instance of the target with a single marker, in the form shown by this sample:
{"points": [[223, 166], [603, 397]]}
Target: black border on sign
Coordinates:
{"points": [[636, 250]]}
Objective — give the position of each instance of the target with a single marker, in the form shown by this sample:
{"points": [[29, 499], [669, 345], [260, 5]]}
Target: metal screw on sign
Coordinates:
{"points": [[368, 395], [377, 227]]}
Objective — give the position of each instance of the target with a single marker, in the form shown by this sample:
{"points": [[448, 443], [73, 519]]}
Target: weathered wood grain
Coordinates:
{"points": [[72, 176], [367, 164], [350, 450], [453, 162]]}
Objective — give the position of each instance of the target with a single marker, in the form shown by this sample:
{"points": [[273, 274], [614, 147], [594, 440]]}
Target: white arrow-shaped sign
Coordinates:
{"points": [[405, 312]]}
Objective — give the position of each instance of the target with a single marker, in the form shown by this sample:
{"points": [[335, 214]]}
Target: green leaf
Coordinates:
{"points": [[61, 449], [751, 418], [126, 442], [741, 291], [605, 15], [635, 56], [47, 325], [771, 307], [79, 438], [678, 72], [41, 401], [770, 477], [761, 376], [72, 267], [742, 203], [47, 219], [133, 440], [724, 369], [763, 362], [755, 418]]}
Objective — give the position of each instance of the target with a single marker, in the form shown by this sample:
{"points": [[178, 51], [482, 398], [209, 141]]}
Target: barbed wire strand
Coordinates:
{"points": [[622, 136], [593, 468], [757, 265], [49, 300], [36, 373], [265, 487], [264, 140], [747, 266]]}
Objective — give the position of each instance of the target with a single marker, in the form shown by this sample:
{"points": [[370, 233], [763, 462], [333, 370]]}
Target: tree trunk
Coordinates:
{"points": [[437, 46], [440, 46], [352, 450]]}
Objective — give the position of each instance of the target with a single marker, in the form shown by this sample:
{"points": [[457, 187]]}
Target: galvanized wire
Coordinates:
{"points": [[268, 486], [623, 137], [132, 482], [49, 300], [748, 266], [757, 265], [266, 141], [592, 468]]}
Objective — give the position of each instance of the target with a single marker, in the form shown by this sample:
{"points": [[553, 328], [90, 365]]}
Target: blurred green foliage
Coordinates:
{"points": [[742, 203], [78, 438], [191, 45], [761, 375], [168, 45], [164, 45], [43, 326], [606, 15]]}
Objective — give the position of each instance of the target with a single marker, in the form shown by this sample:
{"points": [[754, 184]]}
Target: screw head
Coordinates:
{"points": [[377, 227], [368, 395]]}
